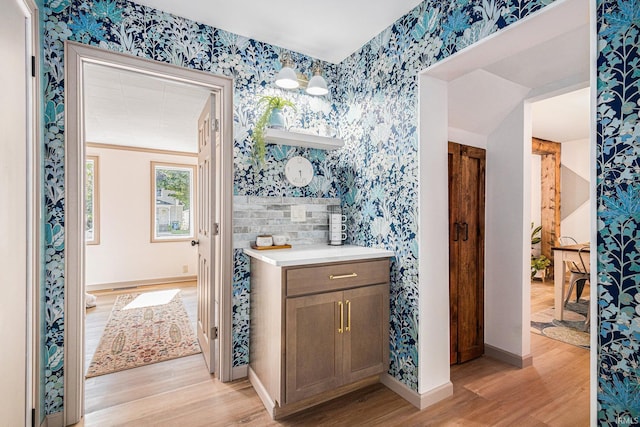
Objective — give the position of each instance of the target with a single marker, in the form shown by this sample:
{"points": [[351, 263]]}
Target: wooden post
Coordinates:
{"points": [[550, 193]]}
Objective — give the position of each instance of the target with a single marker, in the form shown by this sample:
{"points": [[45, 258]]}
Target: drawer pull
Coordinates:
{"points": [[341, 328], [342, 276]]}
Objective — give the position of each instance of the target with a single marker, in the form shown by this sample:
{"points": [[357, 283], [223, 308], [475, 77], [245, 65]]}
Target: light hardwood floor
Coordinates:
{"points": [[554, 392]]}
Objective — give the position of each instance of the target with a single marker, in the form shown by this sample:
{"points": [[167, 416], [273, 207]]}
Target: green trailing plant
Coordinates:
{"points": [[268, 103]]}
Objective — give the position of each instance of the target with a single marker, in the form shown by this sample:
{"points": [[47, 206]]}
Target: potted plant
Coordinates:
{"points": [[541, 262], [271, 117]]}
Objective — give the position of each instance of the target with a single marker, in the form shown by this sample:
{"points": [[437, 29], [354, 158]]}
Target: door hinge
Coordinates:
{"points": [[33, 66], [215, 125], [33, 417], [216, 229], [214, 333]]}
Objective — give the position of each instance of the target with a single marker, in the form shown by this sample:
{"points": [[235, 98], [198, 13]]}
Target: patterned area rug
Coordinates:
{"points": [[144, 328], [570, 330]]}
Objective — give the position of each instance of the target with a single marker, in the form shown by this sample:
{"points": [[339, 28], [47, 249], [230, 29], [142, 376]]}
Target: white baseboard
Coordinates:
{"points": [[136, 283], [53, 420], [419, 400], [508, 357], [238, 372], [262, 393]]}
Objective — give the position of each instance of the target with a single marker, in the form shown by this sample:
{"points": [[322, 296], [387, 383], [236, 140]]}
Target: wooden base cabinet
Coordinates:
{"points": [[333, 331]]}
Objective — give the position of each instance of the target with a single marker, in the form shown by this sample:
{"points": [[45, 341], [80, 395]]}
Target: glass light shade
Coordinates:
{"points": [[287, 78], [317, 86]]}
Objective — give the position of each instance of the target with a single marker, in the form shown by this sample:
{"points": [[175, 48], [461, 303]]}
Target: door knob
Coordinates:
{"points": [[194, 242]]}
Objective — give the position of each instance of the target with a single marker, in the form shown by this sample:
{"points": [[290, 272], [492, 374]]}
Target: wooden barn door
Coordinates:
{"points": [[466, 251]]}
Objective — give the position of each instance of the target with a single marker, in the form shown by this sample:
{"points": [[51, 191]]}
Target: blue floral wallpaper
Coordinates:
{"points": [[124, 26], [374, 108], [618, 190], [378, 106]]}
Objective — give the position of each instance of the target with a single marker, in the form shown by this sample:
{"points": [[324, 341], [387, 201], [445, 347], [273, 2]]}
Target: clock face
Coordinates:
{"points": [[299, 171]]}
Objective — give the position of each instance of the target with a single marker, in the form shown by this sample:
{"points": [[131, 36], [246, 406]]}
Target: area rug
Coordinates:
{"points": [[144, 328], [570, 330]]}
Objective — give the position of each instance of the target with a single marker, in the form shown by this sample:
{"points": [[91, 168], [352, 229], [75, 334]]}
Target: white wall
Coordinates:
{"points": [[575, 156], [433, 327], [507, 231], [536, 189], [125, 252], [13, 215]]}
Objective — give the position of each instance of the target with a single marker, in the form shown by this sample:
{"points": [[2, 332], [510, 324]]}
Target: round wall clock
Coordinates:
{"points": [[299, 171]]}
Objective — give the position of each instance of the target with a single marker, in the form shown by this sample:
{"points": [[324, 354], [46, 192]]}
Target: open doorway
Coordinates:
{"points": [[560, 215], [481, 97], [141, 144], [214, 303]]}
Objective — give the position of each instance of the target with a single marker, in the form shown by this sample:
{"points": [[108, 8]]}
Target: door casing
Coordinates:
{"points": [[75, 56]]}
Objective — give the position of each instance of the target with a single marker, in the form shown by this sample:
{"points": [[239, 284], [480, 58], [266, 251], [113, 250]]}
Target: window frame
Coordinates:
{"points": [[154, 238], [95, 240]]}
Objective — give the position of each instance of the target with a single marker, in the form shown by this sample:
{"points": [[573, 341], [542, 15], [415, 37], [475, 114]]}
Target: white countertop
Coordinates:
{"points": [[316, 254]]}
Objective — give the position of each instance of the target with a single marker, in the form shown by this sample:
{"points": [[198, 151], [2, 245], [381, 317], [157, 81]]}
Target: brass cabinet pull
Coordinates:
{"points": [[341, 328], [342, 276], [348, 328]]}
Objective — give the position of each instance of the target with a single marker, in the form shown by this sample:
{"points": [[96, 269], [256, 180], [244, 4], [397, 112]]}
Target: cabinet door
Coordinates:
{"points": [[313, 345], [366, 335]]}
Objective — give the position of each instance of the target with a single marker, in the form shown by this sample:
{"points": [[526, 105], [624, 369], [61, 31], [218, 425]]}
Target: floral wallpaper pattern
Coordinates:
{"points": [[618, 192], [378, 170], [124, 26], [374, 106]]}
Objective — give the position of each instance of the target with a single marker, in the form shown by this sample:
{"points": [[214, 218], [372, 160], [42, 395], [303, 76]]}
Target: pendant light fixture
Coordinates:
{"points": [[317, 85], [287, 78]]}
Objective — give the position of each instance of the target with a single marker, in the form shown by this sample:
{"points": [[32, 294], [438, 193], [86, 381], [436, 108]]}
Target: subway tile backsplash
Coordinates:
{"points": [[253, 215]]}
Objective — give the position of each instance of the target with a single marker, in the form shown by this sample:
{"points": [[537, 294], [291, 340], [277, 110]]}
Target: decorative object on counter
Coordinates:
{"points": [[337, 226], [299, 171], [280, 239], [288, 78], [264, 240], [266, 248], [271, 117]]}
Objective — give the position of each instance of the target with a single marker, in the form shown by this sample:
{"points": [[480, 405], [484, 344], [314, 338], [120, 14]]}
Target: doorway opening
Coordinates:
{"points": [[560, 213], [482, 97], [214, 304]]}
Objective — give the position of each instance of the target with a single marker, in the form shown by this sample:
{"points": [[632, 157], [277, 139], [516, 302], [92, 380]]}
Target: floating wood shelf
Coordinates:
{"points": [[283, 137]]}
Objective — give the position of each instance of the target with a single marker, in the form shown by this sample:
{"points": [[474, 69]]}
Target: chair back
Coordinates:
{"points": [[567, 240], [584, 265], [583, 253]]}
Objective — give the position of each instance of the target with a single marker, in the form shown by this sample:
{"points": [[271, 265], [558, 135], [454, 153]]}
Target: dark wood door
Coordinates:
{"points": [[466, 251], [366, 334]]}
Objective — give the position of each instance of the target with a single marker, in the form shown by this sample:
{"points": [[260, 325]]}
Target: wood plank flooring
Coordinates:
{"points": [[552, 392]]}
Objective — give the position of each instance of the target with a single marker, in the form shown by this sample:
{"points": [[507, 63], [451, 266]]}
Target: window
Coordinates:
{"points": [[172, 189], [91, 203]]}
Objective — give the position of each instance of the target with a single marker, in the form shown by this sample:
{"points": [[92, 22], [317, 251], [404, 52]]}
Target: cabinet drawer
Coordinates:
{"points": [[308, 280]]}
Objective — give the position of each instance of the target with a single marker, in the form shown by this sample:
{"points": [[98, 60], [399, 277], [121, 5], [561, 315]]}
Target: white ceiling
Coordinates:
{"points": [[127, 108], [562, 118], [329, 30]]}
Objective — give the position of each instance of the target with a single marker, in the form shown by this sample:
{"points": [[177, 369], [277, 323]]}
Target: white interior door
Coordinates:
{"points": [[208, 237]]}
